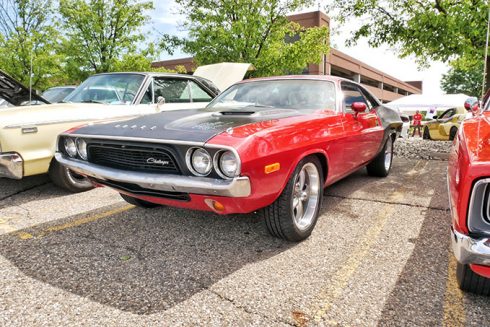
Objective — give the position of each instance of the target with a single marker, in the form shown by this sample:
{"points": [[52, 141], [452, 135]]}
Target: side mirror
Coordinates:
{"points": [[359, 107], [472, 104], [160, 100]]}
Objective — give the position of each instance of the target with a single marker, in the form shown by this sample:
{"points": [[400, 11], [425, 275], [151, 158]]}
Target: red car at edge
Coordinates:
{"points": [[469, 196], [268, 145]]}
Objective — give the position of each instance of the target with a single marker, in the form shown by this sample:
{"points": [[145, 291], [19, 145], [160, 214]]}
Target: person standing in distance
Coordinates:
{"points": [[417, 124]]}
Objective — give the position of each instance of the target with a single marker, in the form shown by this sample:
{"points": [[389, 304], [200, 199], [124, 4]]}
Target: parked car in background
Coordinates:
{"points": [[268, 144], [445, 126], [469, 194], [406, 126], [13, 93], [28, 134]]}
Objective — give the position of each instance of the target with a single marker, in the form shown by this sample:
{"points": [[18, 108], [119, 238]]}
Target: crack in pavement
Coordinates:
{"points": [[387, 202], [21, 191], [244, 309]]}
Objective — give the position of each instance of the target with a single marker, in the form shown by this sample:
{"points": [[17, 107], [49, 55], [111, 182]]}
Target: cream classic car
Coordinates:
{"points": [[28, 134]]}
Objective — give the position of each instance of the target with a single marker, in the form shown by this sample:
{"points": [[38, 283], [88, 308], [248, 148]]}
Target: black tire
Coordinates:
{"points": [[381, 165], [470, 282], [426, 133], [138, 202], [452, 133], [280, 218], [68, 180]]}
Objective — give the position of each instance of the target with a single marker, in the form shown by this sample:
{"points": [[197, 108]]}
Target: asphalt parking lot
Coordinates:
{"points": [[379, 255]]}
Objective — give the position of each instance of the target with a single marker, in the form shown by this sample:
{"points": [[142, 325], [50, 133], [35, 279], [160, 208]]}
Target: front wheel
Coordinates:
{"points": [[294, 214], [452, 133], [138, 202], [67, 179], [381, 165], [471, 282], [426, 134]]}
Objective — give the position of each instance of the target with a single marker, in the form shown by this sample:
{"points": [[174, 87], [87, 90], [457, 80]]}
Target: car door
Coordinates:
{"points": [[164, 93], [363, 131]]}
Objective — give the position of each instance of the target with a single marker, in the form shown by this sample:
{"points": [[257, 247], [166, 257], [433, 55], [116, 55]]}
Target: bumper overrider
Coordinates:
{"points": [[11, 165], [236, 187], [470, 250]]}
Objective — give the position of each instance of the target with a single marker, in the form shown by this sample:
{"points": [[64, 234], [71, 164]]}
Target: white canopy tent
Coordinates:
{"points": [[427, 104]]}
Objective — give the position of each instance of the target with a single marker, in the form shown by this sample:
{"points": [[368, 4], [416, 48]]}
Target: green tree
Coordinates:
{"points": [[252, 31], [28, 31], [100, 32], [463, 80], [441, 30]]}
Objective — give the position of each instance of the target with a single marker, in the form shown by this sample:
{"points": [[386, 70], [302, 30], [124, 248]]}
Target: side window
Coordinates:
{"points": [[448, 113], [173, 90], [148, 96], [198, 94], [352, 94], [371, 101]]}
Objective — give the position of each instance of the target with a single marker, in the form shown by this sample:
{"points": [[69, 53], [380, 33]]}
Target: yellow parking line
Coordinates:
{"points": [[341, 278], [78, 222], [454, 313]]}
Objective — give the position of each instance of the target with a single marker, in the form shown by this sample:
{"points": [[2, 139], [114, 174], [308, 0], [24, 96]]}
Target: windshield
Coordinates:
{"points": [[299, 94], [107, 89], [57, 94]]}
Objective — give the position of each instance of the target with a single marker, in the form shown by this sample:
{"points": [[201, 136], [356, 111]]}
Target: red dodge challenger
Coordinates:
{"points": [[271, 144], [469, 195]]}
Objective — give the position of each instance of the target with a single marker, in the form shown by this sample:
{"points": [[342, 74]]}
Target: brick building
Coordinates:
{"points": [[385, 87]]}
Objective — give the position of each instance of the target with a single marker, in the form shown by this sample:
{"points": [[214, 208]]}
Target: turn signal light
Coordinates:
{"points": [[215, 205], [272, 168]]}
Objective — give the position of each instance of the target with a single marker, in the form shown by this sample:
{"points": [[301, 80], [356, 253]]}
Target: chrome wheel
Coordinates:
{"points": [[388, 153], [305, 197]]}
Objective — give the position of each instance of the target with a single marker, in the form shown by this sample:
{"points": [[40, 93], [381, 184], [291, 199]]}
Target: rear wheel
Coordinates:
{"points": [[138, 202], [381, 165], [452, 133], [471, 282], [426, 134], [67, 179], [294, 214]]}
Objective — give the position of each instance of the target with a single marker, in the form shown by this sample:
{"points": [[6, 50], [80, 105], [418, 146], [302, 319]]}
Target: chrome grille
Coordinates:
{"points": [[133, 158]]}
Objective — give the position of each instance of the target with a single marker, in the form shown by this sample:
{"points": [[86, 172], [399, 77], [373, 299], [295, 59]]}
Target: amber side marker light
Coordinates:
{"points": [[272, 168], [215, 205]]}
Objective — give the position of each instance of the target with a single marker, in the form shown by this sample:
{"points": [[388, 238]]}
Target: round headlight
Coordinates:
{"points": [[201, 161], [70, 147], [82, 148], [228, 164]]}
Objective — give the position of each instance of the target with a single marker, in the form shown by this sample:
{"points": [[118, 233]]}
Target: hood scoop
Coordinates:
{"points": [[234, 113]]}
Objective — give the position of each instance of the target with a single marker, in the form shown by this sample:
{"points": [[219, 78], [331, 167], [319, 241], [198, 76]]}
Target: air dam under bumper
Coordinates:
{"points": [[236, 187], [11, 165], [469, 250]]}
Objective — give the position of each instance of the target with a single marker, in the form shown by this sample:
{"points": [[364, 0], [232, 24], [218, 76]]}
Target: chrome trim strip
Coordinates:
{"points": [[53, 122], [237, 187], [469, 250], [135, 139]]}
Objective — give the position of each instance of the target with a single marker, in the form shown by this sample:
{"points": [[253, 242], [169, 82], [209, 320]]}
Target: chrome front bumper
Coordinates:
{"points": [[237, 187], [469, 250], [11, 165]]}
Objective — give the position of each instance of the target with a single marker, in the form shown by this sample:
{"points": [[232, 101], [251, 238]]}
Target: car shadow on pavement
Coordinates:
{"points": [[140, 260], [28, 189]]}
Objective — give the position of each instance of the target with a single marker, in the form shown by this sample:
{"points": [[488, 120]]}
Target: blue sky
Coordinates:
{"points": [[166, 20]]}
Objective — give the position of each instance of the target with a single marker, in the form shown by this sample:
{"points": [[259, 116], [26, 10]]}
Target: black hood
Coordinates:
{"points": [[184, 125], [14, 92]]}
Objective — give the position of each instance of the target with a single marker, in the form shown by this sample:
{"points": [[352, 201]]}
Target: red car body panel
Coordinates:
{"points": [[469, 161]]}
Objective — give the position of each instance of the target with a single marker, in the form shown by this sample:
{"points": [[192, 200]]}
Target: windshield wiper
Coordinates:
{"points": [[92, 101]]}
